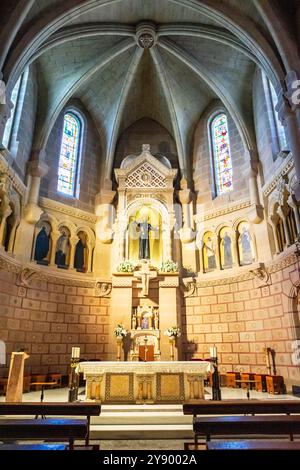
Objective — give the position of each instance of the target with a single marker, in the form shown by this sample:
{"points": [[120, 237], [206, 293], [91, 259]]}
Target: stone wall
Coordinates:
{"points": [[241, 317], [47, 319]]}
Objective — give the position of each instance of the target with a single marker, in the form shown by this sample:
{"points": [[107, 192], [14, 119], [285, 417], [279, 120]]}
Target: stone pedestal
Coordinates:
{"points": [[169, 312], [121, 309]]}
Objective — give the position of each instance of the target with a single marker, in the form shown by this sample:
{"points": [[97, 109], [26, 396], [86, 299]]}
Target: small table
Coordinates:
{"points": [[43, 384], [248, 382]]}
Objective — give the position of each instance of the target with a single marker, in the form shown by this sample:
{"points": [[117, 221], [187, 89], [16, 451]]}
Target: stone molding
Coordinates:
{"points": [[31, 271], [223, 211], [271, 185], [16, 181], [49, 204]]}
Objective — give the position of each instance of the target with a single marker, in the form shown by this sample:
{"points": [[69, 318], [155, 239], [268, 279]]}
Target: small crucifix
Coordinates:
{"points": [[145, 274]]}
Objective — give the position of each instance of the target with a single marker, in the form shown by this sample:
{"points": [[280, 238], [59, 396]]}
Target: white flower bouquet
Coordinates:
{"points": [[168, 266], [173, 331], [120, 331], [126, 266]]}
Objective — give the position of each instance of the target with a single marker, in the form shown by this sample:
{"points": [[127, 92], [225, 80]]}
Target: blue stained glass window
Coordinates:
{"points": [[221, 154], [69, 152]]}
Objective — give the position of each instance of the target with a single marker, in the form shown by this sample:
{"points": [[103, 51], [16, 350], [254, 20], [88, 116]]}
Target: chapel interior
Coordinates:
{"points": [[150, 202]]}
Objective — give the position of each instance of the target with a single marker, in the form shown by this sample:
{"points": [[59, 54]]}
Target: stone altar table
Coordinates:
{"points": [[145, 382]]}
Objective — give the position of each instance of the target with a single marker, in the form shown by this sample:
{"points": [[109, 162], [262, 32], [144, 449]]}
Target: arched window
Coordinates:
{"points": [[277, 129], [69, 155], [221, 154], [17, 99]]}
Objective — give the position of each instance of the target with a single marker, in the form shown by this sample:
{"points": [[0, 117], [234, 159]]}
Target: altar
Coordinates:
{"points": [[145, 382]]}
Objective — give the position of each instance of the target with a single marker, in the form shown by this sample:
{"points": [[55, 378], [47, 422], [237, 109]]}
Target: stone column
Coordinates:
{"points": [[287, 113], [73, 243], [36, 170], [272, 222], [105, 212], [90, 248], [293, 204], [255, 213], [285, 226], [55, 234], [32, 212], [5, 213], [6, 107]]}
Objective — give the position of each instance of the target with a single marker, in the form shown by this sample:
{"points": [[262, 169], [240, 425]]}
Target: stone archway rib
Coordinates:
{"points": [[182, 158], [40, 140], [214, 84]]}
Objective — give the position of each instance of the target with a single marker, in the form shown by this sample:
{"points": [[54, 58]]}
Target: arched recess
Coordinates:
{"points": [[166, 226], [146, 131]]}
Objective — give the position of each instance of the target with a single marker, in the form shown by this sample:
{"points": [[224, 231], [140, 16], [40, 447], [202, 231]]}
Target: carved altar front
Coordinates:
{"points": [[140, 382]]}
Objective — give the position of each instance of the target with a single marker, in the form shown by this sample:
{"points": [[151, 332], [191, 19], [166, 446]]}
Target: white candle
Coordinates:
{"points": [[73, 352], [213, 351]]}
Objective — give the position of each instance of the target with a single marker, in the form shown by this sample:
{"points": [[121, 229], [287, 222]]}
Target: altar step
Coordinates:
{"points": [[141, 422]]}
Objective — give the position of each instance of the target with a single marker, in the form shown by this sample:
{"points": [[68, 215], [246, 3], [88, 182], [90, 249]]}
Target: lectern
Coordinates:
{"points": [[14, 389]]}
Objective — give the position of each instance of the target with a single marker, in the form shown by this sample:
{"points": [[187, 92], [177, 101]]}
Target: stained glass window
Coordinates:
{"points": [[68, 160], [221, 154]]}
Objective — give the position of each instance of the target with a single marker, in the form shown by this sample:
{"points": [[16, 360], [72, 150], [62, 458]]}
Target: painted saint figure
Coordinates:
{"points": [[42, 245], [210, 252], [80, 256], [245, 246], [227, 251], [62, 249]]}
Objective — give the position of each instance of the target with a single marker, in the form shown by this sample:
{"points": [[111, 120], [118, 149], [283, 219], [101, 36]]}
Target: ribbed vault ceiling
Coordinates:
{"points": [[89, 51]]}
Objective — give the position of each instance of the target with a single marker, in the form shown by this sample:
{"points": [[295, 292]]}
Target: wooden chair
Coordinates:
{"points": [[275, 384], [55, 378], [260, 382], [231, 378], [38, 378]]}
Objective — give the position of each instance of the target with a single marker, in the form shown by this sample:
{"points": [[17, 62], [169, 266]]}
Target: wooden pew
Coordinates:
{"points": [[58, 429], [241, 407], [245, 425], [52, 409], [33, 447], [253, 445]]}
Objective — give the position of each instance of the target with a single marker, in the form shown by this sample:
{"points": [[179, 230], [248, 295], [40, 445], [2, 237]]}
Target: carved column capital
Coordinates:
{"points": [[37, 167]]}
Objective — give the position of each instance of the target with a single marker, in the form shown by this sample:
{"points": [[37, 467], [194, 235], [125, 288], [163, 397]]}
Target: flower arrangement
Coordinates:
{"points": [[120, 331], [168, 266], [173, 331], [126, 266]]}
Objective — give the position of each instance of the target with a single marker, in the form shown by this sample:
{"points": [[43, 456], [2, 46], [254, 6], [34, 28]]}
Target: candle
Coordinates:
{"points": [[75, 353], [213, 351]]}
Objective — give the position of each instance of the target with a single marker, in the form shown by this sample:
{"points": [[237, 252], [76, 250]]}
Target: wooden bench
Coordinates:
{"points": [[253, 445], [33, 447], [241, 407], [52, 409], [245, 425], [58, 429]]}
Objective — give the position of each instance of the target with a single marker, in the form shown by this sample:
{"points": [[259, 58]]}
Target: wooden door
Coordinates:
{"points": [[148, 354]]}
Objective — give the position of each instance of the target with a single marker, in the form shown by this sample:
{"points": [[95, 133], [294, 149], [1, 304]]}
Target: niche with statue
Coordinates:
{"points": [[145, 334]]}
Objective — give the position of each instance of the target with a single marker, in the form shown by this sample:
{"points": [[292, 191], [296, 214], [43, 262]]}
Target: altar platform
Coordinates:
{"points": [[145, 382]]}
